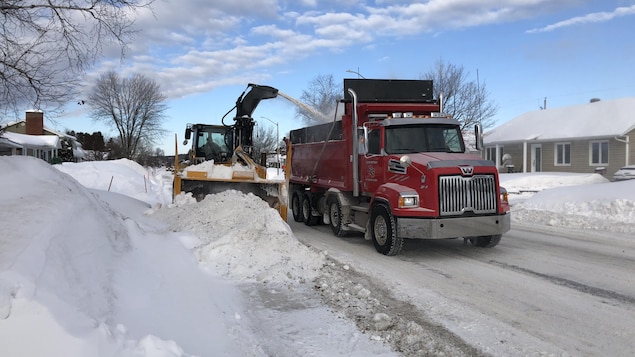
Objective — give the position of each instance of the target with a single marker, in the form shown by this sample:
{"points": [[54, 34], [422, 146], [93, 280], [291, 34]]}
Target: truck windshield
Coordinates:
{"points": [[407, 139]]}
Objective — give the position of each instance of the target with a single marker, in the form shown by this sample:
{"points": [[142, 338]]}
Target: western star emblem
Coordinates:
{"points": [[467, 170]]}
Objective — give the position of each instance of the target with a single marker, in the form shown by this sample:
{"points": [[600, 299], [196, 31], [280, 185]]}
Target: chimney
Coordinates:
{"points": [[34, 122]]}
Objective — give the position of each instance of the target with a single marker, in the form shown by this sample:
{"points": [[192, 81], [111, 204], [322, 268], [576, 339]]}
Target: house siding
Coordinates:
{"points": [[579, 155]]}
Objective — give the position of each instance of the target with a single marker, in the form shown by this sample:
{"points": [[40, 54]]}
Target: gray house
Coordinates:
{"points": [[598, 136]]}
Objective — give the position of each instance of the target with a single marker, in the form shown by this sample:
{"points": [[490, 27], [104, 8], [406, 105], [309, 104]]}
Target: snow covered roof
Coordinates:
{"points": [[39, 141], [603, 118], [5, 142]]}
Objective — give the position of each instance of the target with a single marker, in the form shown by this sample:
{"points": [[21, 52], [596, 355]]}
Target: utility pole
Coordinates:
{"points": [[277, 142]]}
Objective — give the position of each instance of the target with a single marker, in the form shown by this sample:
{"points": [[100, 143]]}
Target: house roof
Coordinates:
{"points": [[34, 141], [605, 118], [6, 143]]}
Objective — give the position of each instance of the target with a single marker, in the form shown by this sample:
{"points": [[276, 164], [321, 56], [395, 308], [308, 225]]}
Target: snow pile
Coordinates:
{"points": [[241, 236], [153, 186], [60, 254], [538, 181], [579, 201], [47, 241]]}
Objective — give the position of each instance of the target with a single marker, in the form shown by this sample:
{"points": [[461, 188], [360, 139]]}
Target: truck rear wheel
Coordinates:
{"points": [[486, 241], [307, 216], [296, 207], [384, 231], [335, 216]]}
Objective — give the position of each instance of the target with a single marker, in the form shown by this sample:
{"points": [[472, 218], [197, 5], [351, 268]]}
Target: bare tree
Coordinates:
{"points": [[466, 100], [46, 45], [265, 140], [322, 95], [134, 106]]}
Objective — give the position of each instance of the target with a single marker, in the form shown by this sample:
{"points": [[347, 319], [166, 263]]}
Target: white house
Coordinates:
{"points": [[31, 138]]}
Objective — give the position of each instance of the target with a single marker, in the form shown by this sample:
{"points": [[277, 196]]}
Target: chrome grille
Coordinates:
{"points": [[458, 194]]}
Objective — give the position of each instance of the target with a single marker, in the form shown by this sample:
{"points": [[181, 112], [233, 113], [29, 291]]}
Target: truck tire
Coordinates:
{"points": [[384, 231], [296, 206], [334, 209], [486, 241], [307, 216]]}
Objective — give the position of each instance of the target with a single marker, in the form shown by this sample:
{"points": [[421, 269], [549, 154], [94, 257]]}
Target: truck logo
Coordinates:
{"points": [[467, 170], [396, 166]]}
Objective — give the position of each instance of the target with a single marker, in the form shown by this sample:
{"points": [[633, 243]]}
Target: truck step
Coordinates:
{"points": [[356, 227], [360, 208]]}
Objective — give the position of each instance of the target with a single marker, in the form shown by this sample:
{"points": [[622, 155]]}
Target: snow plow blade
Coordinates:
{"points": [[270, 192]]}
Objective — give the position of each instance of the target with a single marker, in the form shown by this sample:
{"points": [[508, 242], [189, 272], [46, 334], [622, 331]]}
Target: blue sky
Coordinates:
{"points": [[203, 53]]}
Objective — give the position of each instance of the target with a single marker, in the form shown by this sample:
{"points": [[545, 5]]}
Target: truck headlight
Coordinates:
{"points": [[504, 195], [408, 201]]}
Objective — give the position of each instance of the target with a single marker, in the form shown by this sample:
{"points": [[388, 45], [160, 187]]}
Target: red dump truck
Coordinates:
{"points": [[394, 167]]}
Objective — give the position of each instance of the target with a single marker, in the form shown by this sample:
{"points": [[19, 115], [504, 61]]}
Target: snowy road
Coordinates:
{"points": [[541, 291]]}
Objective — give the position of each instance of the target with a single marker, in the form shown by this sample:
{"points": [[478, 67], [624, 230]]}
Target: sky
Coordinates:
{"points": [[100, 262], [524, 52]]}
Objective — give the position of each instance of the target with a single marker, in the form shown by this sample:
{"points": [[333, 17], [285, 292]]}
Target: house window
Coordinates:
{"points": [[599, 152], [563, 154], [490, 153]]}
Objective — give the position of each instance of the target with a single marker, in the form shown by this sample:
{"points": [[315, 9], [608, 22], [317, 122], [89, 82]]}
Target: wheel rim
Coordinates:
{"points": [[335, 216], [380, 229]]}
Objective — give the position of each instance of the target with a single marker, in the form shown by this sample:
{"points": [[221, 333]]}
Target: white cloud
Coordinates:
{"points": [[190, 45], [589, 18]]}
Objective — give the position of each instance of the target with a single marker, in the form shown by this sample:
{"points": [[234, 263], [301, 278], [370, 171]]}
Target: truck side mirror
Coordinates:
{"points": [[478, 135], [188, 133]]}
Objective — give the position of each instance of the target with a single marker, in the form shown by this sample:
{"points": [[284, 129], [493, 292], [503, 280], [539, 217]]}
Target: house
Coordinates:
{"points": [[598, 136], [30, 137]]}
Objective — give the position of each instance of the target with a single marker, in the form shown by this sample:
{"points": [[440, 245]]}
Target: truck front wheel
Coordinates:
{"points": [[307, 211], [486, 241], [335, 216], [384, 231]]}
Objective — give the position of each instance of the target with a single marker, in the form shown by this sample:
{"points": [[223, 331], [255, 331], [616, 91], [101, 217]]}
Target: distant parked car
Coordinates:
{"points": [[625, 173]]}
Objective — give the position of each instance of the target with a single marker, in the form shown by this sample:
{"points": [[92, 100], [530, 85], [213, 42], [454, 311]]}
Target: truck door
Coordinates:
{"points": [[371, 174]]}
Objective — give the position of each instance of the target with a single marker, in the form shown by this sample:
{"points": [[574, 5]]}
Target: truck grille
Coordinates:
{"points": [[459, 194]]}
